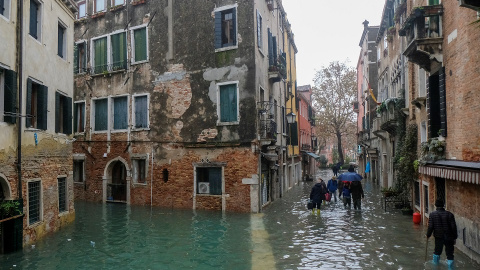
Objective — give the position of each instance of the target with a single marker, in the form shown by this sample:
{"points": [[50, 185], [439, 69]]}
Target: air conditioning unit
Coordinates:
{"points": [[204, 187]]}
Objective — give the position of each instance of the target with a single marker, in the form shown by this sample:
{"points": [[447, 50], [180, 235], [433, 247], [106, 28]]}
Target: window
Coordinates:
{"points": [[425, 198], [82, 9], [118, 3], [423, 132], [421, 82], [62, 194], [78, 171], [36, 106], [63, 114], [79, 117], [5, 8], [227, 108], [79, 57], [226, 27], [109, 53], [100, 108], [140, 111], [8, 95], [139, 44], [436, 100], [120, 112], [62, 41], [119, 51], [34, 201], [259, 31], [433, 2], [99, 55], [99, 6], [35, 19], [209, 180], [139, 170]]}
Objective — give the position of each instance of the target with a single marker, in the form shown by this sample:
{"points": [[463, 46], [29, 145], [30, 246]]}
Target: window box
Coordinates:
{"points": [[118, 7]]}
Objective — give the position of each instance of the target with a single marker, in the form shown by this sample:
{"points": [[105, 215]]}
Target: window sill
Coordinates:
{"points": [[30, 129], [118, 7], [36, 224], [208, 195], [140, 129], [78, 183], [140, 184], [228, 123], [119, 130], [81, 20], [100, 132], [226, 48], [35, 39], [261, 52], [63, 213], [138, 2], [139, 62], [5, 18], [98, 14], [79, 133]]}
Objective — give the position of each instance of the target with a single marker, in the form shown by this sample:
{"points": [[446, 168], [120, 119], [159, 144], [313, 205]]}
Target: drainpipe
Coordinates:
{"points": [[20, 96]]}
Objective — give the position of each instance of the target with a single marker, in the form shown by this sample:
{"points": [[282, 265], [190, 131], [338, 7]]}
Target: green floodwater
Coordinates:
{"points": [[285, 236]]}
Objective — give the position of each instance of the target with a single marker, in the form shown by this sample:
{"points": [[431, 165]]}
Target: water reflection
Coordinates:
{"points": [[347, 239]]}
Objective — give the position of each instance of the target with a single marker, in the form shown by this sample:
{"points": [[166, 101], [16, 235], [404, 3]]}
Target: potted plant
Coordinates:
{"points": [[9, 209], [407, 211]]}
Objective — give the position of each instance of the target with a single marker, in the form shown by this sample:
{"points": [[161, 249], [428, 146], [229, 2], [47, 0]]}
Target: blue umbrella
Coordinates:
{"points": [[350, 176]]}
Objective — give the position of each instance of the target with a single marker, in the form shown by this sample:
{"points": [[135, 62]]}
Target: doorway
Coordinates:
{"points": [[117, 187]]}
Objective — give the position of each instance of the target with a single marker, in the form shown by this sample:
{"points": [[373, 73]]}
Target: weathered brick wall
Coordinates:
{"points": [[461, 56]]}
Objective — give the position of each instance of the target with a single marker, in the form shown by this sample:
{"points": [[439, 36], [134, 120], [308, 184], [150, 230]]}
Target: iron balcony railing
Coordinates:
{"points": [[268, 130], [105, 69]]}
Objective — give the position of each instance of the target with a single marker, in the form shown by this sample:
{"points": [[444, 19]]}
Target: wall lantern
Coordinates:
{"points": [[291, 118]]}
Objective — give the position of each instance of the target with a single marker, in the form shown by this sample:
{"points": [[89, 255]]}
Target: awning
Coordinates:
{"points": [[454, 170], [312, 155]]}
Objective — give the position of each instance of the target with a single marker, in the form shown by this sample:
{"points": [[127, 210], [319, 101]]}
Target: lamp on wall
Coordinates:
{"points": [[291, 118]]}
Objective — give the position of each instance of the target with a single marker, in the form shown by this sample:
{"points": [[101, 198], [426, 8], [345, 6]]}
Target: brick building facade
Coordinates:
{"points": [[182, 104]]}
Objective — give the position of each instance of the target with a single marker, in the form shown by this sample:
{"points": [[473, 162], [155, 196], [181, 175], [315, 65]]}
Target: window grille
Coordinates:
{"points": [[62, 195], [34, 189]]}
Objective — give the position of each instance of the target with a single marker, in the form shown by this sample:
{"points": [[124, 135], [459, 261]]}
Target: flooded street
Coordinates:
{"points": [[285, 236]]}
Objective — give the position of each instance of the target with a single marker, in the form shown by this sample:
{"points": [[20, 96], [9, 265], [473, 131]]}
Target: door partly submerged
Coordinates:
{"points": [[117, 186]]}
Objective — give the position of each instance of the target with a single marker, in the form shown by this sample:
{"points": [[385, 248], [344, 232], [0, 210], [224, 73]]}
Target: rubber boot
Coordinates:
{"points": [[450, 264], [436, 259], [313, 211], [318, 212]]}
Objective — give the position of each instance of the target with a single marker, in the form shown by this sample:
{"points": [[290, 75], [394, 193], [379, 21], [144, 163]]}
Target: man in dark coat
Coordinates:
{"points": [[356, 190], [442, 224], [317, 195], [335, 170]]}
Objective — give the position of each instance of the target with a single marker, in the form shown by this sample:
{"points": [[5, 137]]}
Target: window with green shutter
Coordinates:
{"points": [[141, 111], [119, 51], [101, 114], [140, 45], [35, 16], [225, 28], [36, 105], [100, 55], [120, 113], [228, 103]]}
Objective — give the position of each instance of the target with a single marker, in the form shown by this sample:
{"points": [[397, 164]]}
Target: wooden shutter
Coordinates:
{"points": [[215, 179], [259, 30], [274, 49], [100, 61], [42, 105], [234, 28], [293, 134], [67, 117], [119, 51], [433, 110], [57, 112], [33, 18], [140, 38], [141, 112], [28, 106], [218, 30], [75, 59], [443, 102], [75, 116], [60, 41], [228, 103], [10, 102], [101, 114], [270, 48], [120, 113]]}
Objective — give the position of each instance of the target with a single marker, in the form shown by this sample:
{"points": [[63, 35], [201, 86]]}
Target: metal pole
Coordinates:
{"points": [[20, 96]]}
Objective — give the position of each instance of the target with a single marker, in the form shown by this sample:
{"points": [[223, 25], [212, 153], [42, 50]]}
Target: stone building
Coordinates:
{"points": [[183, 104], [366, 104], [35, 118], [307, 138]]}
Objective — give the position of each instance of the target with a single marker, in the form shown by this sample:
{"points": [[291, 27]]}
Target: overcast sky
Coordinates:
{"points": [[327, 31]]}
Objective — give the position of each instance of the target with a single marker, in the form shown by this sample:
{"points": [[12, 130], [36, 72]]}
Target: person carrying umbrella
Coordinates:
{"points": [[317, 195], [332, 187], [356, 188]]}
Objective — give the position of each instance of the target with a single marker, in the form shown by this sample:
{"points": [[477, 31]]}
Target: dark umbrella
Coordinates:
{"points": [[350, 176]]}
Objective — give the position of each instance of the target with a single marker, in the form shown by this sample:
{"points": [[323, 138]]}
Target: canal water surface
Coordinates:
{"points": [[285, 236]]}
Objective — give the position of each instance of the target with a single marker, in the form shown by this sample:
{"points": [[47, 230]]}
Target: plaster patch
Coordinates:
{"points": [[210, 133], [215, 74], [226, 133], [452, 36], [237, 73], [212, 92]]}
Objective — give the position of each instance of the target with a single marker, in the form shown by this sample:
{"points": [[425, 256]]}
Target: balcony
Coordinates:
{"points": [[107, 69], [376, 130], [268, 130], [423, 30], [389, 110], [278, 71], [306, 147]]}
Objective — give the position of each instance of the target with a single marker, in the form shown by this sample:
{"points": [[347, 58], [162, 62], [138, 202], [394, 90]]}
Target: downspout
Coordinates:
{"points": [[151, 181], [20, 96]]}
